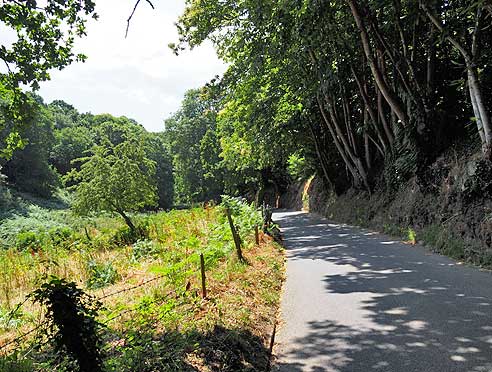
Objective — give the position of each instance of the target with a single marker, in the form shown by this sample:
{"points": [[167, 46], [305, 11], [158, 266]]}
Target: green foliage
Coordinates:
{"points": [[246, 216], [11, 319], [117, 178], [297, 167], [29, 168], [155, 150], [443, 241], [144, 249], [412, 235], [28, 240], [71, 143], [479, 184], [15, 363], [100, 274], [43, 39], [72, 324], [191, 136]]}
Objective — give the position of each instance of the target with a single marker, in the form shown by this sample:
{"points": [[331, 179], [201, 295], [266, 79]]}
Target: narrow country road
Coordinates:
{"points": [[357, 301]]}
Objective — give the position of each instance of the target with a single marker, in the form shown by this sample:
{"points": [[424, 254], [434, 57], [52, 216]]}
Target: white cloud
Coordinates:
{"points": [[139, 76]]}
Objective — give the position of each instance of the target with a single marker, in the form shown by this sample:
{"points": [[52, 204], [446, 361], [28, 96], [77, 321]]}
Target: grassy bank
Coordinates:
{"points": [[155, 317]]}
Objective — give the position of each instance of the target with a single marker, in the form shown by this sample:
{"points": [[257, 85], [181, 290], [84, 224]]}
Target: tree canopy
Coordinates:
{"points": [[117, 178], [386, 84]]}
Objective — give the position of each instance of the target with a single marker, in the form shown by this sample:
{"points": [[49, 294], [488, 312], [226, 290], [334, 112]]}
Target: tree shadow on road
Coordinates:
{"points": [[414, 311]]}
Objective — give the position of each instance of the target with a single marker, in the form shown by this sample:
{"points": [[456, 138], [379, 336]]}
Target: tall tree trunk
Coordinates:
{"points": [[350, 166], [353, 157], [367, 149], [388, 94], [431, 62], [127, 219], [480, 112], [320, 156], [382, 117], [370, 110]]}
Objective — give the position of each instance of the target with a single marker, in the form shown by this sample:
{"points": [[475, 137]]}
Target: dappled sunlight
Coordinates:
{"points": [[385, 306]]}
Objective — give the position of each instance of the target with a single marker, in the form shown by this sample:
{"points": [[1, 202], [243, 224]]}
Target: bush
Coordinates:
{"points": [[101, 274], [144, 249], [29, 240], [246, 216], [72, 324], [60, 234], [297, 167], [12, 363], [125, 236]]}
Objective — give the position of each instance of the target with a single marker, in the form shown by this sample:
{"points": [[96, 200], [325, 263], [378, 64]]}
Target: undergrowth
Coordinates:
{"points": [[162, 323]]}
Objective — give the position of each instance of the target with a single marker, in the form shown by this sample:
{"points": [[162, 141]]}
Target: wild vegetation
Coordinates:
{"points": [[152, 315], [387, 103]]}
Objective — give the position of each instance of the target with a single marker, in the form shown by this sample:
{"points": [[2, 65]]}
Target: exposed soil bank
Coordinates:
{"points": [[448, 208]]}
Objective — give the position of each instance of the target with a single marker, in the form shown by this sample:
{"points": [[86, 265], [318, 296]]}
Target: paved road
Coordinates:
{"points": [[357, 301]]}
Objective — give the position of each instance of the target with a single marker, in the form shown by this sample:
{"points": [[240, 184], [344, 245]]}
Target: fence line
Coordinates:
{"points": [[24, 335]]}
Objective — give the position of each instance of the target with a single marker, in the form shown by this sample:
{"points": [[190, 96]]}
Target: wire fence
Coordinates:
{"points": [[42, 324], [21, 337]]}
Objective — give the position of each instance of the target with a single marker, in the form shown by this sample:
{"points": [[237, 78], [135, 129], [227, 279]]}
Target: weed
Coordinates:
{"points": [[412, 236], [100, 274], [144, 249]]}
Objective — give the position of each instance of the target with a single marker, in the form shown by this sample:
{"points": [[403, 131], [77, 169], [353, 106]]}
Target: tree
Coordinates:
{"points": [[155, 150], [381, 81], [71, 143], [190, 135], [28, 169], [45, 33], [116, 178]]}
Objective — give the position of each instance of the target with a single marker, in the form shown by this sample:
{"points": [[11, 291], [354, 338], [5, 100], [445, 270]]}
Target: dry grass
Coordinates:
{"points": [[241, 305]]}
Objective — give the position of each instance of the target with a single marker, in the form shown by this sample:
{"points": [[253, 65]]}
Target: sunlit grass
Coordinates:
{"points": [[240, 295]]}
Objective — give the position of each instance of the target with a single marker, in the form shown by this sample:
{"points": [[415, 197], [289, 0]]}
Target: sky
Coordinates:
{"points": [[138, 77]]}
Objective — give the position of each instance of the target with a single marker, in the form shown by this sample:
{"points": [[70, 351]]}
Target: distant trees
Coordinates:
{"points": [[29, 169], [191, 135], [43, 39], [58, 134], [117, 178]]}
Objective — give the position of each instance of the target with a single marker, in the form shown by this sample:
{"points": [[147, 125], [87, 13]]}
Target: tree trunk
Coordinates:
{"points": [[127, 219], [338, 145], [353, 157], [367, 149], [370, 110], [388, 94], [320, 156], [480, 112]]}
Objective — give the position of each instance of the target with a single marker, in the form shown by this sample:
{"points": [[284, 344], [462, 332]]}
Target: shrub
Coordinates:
{"points": [[72, 325], [60, 234], [101, 274], [297, 167], [29, 240], [246, 216], [144, 248], [126, 236], [13, 363]]}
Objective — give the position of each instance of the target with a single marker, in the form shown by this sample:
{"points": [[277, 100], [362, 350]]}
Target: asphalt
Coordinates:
{"points": [[355, 300]]}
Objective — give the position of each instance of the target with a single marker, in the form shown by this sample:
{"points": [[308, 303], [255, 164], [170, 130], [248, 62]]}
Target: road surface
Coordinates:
{"points": [[355, 301]]}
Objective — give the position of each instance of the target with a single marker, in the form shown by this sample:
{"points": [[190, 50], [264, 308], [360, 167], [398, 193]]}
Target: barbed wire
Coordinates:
{"points": [[24, 335], [131, 288]]}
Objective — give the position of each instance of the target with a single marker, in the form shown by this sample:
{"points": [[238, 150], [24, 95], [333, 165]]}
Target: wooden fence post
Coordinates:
{"points": [[257, 235], [202, 269], [235, 235]]}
